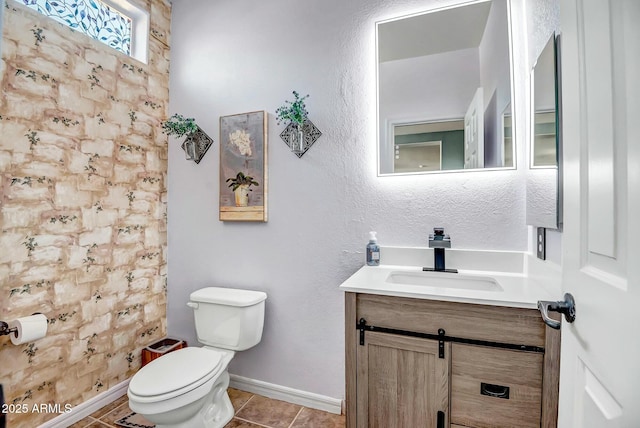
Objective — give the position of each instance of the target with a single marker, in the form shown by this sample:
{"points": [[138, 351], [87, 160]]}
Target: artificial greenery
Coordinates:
{"points": [[241, 179], [293, 111], [179, 126]]}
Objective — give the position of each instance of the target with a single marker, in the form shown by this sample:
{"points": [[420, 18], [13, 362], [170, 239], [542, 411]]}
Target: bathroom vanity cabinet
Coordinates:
{"points": [[429, 363]]}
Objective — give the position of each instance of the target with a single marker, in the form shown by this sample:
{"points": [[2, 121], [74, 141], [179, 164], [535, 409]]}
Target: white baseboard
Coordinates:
{"points": [[88, 407], [270, 390], [284, 393]]}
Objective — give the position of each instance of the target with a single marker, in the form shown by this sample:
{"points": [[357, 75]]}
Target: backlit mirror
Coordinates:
{"points": [[444, 90]]}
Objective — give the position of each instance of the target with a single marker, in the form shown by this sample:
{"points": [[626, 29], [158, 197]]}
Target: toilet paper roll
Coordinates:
{"points": [[29, 329]]}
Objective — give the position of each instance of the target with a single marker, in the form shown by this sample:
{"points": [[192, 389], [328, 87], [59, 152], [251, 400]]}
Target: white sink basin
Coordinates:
{"points": [[444, 280]]}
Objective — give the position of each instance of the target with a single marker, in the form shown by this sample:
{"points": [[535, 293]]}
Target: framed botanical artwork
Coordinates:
{"points": [[243, 167]]}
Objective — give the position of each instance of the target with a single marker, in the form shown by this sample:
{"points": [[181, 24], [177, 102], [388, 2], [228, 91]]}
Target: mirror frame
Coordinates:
{"points": [[412, 120], [560, 181]]}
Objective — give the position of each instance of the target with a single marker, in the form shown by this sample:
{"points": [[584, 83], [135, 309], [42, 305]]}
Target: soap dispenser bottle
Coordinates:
{"points": [[373, 250]]}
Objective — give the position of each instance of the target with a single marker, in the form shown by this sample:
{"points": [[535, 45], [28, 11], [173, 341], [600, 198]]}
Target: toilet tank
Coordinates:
{"points": [[228, 318]]}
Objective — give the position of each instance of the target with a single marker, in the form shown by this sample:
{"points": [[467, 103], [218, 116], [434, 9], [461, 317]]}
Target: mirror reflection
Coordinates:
{"points": [[544, 177], [543, 79], [444, 90]]}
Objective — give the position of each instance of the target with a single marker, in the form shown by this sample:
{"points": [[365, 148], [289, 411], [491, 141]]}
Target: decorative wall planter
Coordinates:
{"points": [[291, 136], [195, 146], [296, 138], [300, 133]]}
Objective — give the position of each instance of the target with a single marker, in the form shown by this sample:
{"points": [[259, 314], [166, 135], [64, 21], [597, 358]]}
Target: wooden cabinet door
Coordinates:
{"points": [[401, 382]]}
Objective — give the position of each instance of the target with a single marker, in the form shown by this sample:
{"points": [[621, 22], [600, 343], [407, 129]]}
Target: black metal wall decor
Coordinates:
{"points": [[195, 146], [311, 134]]}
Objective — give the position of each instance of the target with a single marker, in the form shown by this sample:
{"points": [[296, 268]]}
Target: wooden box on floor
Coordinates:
{"points": [[161, 347]]}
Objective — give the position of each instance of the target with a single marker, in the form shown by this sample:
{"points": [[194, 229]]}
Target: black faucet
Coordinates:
{"points": [[439, 241]]}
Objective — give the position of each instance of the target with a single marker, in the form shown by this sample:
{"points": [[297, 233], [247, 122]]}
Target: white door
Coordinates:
{"points": [[600, 362], [474, 132]]}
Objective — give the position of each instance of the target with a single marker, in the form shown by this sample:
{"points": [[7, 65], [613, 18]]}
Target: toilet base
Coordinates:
{"points": [[215, 411]]}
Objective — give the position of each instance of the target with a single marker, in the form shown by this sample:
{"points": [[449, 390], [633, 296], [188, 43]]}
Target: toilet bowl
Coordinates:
{"points": [[184, 389], [187, 388]]}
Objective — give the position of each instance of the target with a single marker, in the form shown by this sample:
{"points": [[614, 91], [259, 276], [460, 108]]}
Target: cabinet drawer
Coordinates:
{"points": [[475, 369], [479, 322]]}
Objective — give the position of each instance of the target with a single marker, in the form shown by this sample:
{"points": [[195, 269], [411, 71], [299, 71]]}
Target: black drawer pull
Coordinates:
{"points": [[497, 391]]}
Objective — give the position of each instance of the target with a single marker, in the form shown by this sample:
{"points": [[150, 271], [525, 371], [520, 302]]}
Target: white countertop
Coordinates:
{"points": [[518, 290]]}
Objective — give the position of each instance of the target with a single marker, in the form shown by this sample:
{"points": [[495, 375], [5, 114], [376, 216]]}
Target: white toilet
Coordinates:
{"points": [[187, 388]]}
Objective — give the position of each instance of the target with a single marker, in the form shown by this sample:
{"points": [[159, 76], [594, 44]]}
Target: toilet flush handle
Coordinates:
{"points": [[192, 305]]}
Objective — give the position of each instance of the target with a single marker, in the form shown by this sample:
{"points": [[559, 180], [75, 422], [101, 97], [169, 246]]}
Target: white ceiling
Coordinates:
{"points": [[432, 33]]}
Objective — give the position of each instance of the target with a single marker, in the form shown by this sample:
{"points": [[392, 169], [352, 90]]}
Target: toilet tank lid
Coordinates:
{"points": [[228, 296]]}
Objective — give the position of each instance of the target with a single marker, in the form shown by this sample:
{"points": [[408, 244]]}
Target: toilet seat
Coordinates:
{"points": [[175, 374]]}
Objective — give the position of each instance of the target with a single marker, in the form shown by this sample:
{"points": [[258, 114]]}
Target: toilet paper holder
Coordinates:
{"points": [[5, 330]]}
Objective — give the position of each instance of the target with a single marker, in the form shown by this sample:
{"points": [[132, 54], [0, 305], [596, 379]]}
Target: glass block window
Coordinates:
{"points": [[92, 17]]}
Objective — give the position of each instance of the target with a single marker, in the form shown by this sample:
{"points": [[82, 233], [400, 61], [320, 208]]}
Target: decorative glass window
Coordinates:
{"points": [[95, 18]]}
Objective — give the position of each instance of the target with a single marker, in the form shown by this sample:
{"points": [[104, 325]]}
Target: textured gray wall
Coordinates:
{"points": [[231, 57], [542, 19]]}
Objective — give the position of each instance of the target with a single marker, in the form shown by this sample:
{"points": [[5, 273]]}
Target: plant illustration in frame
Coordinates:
{"points": [[243, 167]]}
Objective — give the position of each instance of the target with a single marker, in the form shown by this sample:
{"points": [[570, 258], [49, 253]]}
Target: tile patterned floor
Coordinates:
{"points": [[252, 411]]}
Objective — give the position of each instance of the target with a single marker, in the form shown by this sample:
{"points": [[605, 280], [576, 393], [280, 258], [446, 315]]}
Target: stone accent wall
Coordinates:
{"points": [[83, 166]]}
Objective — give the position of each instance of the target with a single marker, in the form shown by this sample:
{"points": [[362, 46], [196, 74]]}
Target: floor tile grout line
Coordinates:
{"points": [[111, 411], [87, 421], [252, 422], [102, 423], [245, 403], [92, 421], [296, 417], [126, 403]]}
